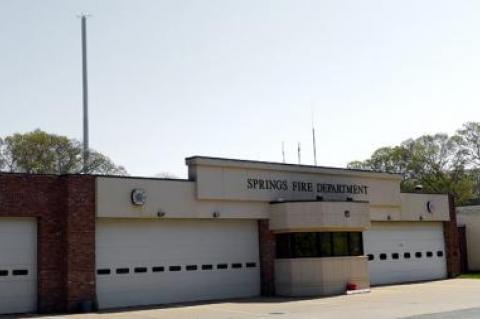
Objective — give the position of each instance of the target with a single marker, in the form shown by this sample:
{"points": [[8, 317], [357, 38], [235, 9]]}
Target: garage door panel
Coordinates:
{"points": [[399, 238], [18, 258], [165, 243]]}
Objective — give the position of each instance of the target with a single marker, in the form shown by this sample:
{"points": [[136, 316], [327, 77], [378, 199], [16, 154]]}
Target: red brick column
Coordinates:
{"points": [[80, 239], [266, 240], [452, 246]]}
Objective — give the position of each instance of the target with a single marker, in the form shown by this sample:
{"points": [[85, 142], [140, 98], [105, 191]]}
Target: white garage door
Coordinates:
{"points": [[142, 262], [18, 259], [405, 252]]}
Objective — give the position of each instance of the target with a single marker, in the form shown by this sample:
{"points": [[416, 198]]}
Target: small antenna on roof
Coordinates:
{"points": [[299, 154], [314, 141], [283, 151]]}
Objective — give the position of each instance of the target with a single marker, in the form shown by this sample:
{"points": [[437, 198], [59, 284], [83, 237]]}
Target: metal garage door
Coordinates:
{"points": [[141, 262], [18, 259], [405, 252]]}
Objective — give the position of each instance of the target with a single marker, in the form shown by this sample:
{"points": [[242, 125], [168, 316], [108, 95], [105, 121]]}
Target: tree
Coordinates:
{"points": [[166, 175], [437, 162], [43, 153]]}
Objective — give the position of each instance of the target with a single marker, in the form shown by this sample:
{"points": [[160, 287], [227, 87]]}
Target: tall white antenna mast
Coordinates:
{"points": [[283, 151], [83, 18]]}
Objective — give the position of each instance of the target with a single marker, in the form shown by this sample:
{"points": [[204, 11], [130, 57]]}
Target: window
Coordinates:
{"points": [[20, 272], [3, 273], [251, 265], [104, 271], [207, 267], [355, 243], [122, 271], [191, 267], [440, 253], [370, 257], [320, 244], [383, 256], [340, 244], [429, 254], [418, 254], [305, 245], [324, 241], [237, 265], [174, 268], [406, 255], [222, 266], [283, 246], [140, 269], [395, 256]]}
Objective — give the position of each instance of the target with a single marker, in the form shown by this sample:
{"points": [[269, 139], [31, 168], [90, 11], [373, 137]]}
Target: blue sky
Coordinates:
{"points": [[170, 79]]}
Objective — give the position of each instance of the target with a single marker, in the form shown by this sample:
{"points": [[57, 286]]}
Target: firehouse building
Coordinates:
{"points": [[233, 229]]}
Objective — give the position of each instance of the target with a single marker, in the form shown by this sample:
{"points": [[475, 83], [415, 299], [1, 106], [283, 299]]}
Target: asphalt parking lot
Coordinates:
{"points": [[455, 298]]}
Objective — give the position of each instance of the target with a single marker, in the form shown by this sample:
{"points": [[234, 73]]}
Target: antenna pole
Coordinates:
{"points": [[283, 151], [85, 93], [299, 154], [314, 147], [314, 141]]}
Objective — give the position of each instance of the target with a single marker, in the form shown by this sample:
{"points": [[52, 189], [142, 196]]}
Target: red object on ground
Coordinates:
{"points": [[351, 286]]}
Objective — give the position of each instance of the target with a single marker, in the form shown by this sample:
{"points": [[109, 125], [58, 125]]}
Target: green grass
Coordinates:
{"points": [[470, 275]]}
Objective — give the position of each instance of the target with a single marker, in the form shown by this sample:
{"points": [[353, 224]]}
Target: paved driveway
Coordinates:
{"points": [[456, 298]]}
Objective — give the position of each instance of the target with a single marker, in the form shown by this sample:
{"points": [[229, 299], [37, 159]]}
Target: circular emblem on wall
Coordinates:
{"points": [[139, 197], [430, 207]]}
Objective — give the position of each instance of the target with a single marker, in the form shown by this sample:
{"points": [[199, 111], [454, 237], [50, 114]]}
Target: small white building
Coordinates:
{"points": [[469, 217]]}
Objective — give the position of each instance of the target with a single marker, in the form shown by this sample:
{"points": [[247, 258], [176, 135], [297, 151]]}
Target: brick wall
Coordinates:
{"points": [[267, 258], [452, 247], [64, 207]]}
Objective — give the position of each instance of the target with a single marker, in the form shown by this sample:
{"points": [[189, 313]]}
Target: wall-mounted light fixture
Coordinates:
{"points": [[216, 214], [389, 217], [347, 213], [161, 213]]}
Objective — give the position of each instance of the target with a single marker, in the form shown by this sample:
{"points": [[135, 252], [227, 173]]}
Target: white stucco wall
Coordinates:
{"points": [[469, 216]]}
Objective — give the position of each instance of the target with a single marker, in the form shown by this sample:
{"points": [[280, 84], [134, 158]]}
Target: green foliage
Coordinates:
{"points": [[440, 163], [43, 153]]}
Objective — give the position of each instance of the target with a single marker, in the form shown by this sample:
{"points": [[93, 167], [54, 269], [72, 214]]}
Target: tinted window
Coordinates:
{"points": [[395, 256], [340, 244], [440, 253], [370, 257], [207, 267], [283, 246], [122, 271], [305, 245], [3, 273], [191, 267], [140, 269], [103, 271], [251, 265], [237, 265], [222, 266], [324, 241], [383, 256], [158, 269], [321, 244], [429, 254], [406, 255], [174, 268], [418, 254], [20, 272], [355, 244]]}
